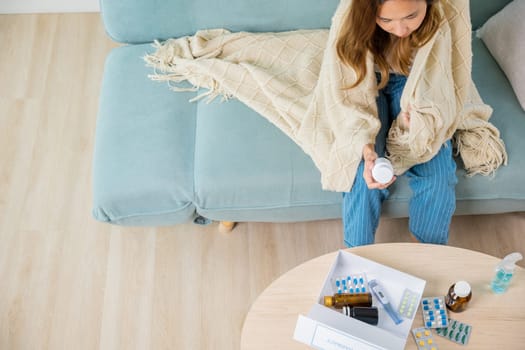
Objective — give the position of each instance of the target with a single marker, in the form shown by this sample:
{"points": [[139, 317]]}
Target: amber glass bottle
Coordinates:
{"points": [[347, 299], [459, 294]]}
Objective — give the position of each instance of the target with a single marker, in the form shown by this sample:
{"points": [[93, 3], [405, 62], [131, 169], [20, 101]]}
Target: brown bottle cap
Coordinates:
{"points": [[328, 300]]}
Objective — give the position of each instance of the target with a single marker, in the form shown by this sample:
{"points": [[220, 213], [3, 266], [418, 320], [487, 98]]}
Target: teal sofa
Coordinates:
{"points": [[161, 160]]}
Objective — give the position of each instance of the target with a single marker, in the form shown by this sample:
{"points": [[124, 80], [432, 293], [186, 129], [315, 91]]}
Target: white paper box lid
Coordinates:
{"points": [[327, 329]]}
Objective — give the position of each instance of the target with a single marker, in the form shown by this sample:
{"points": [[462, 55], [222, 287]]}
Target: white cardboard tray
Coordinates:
{"points": [[328, 329]]}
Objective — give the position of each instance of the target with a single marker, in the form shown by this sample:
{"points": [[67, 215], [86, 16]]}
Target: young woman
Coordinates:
{"points": [[392, 31]]}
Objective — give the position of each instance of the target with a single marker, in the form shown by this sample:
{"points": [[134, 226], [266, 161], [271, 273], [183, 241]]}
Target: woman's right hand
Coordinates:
{"points": [[369, 157]]}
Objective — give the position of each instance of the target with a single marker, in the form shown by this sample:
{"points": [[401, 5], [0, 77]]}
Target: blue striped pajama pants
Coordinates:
{"points": [[433, 186]]}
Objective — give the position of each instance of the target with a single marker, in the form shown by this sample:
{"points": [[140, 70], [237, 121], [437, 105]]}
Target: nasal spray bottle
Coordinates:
{"points": [[504, 273]]}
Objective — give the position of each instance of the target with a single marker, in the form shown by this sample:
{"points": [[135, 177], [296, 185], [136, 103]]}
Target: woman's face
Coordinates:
{"points": [[401, 17]]}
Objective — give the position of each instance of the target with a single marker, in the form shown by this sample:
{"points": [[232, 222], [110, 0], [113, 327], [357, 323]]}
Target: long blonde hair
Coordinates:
{"points": [[360, 34]]}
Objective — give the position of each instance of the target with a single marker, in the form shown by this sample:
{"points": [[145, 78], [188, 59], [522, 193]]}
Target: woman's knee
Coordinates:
{"points": [[437, 174]]}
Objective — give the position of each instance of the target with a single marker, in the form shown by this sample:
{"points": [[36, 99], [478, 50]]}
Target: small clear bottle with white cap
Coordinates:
{"points": [[382, 171], [459, 294], [504, 273]]}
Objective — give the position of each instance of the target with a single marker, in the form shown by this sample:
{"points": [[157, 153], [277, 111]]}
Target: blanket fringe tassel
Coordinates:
{"points": [[481, 149], [171, 68]]}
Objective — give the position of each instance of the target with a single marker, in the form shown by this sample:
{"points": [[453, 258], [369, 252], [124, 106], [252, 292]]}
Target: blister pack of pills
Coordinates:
{"points": [[355, 283], [434, 312], [456, 331], [408, 304], [424, 339]]}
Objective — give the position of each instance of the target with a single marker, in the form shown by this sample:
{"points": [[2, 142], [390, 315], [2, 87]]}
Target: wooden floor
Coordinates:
{"points": [[69, 282]]}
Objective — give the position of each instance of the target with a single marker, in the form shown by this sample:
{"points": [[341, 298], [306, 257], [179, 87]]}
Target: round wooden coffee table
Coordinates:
{"points": [[498, 321]]}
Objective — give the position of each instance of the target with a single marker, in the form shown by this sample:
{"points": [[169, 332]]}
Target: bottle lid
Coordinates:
{"points": [[509, 262], [462, 289], [382, 171], [328, 300]]}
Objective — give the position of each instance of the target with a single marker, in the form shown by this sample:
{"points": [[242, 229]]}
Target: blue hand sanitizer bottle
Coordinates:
{"points": [[504, 273]]}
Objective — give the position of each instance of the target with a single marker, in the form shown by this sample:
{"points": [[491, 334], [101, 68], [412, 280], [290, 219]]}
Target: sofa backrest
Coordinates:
{"points": [[482, 10], [141, 21]]}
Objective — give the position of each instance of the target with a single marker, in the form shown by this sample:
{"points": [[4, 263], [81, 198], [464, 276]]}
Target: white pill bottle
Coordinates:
{"points": [[382, 171]]}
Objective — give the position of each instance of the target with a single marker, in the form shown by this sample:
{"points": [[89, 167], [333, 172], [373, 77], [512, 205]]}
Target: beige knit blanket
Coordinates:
{"points": [[295, 80]]}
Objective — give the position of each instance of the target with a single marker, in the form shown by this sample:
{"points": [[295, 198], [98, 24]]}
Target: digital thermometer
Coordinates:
{"points": [[381, 296]]}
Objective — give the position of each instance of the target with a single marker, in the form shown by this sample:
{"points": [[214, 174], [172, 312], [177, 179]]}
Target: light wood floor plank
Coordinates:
{"points": [[69, 282]]}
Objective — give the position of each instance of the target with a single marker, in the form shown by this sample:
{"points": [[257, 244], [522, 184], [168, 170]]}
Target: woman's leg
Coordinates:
{"points": [[361, 211], [433, 183], [434, 197], [362, 206]]}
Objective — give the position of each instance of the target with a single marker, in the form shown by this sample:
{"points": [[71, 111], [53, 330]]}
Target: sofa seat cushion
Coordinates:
{"points": [[247, 169], [143, 158]]}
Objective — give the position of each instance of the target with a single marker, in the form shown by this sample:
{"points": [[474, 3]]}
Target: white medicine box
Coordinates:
{"points": [[328, 328]]}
